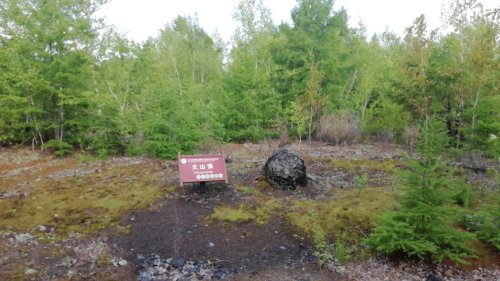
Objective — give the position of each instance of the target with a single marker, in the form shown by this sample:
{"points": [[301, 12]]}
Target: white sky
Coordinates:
{"points": [[140, 19]]}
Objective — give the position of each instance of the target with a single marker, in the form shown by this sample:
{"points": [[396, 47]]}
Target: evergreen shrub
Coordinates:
{"points": [[425, 223]]}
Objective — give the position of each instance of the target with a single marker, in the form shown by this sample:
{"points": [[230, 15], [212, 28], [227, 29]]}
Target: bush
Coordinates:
{"points": [[322, 248], [341, 127], [101, 141], [164, 139], [387, 120], [485, 223], [486, 132], [134, 149], [60, 148], [158, 141], [343, 252], [488, 230], [424, 224]]}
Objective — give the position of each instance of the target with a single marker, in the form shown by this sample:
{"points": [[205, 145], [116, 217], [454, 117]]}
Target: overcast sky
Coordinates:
{"points": [[140, 19]]}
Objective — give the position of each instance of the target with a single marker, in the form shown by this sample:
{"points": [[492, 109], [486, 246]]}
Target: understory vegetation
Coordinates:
{"points": [[70, 84]]}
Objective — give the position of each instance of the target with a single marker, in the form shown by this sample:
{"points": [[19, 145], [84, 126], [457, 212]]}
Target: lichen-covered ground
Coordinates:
{"points": [[81, 218]]}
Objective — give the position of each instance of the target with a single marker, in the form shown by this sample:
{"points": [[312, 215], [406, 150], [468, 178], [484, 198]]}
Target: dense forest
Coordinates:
{"points": [[68, 81]]}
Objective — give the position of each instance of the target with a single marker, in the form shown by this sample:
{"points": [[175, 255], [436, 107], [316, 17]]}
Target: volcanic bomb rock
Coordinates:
{"points": [[286, 170]]}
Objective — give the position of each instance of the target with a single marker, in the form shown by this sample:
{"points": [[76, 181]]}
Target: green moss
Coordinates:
{"points": [[19, 275], [87, 205], [170, 189], [103, 260], [363, 164], [349, 217], [237, 215], [259, 210], [83, 157], [245, 189]]}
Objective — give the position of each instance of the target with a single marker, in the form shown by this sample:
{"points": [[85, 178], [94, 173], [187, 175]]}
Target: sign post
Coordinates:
{"points": [[201, 168]]}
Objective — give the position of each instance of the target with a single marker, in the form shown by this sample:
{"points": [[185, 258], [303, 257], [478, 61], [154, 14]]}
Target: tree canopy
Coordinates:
{"points": [[67, 81]]}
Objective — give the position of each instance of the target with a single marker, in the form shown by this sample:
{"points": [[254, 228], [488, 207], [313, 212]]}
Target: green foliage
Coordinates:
{"points": [[461, 192], [489, 223], [259, 213], [485, 223], [59, 148], [102, 141], [322, 248], [386, 119], [360, 181], [297, 120], [85, 203], [316, 77], [47, 44], [343, 252], [135, 149], [424, 225], [233, 215], [485, 134], [349, 217], [432, 141]]}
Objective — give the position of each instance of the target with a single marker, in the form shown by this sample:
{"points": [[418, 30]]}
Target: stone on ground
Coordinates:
{"points": [[286, 170]]}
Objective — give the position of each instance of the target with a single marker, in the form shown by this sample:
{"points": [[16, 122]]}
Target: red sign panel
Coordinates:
{"points": [[202, 168]]}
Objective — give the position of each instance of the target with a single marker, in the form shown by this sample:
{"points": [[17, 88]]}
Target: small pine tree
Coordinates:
{"points": [[423, 225]]}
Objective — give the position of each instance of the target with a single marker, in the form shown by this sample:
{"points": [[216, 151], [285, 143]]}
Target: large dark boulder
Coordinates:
{"points": [[286, 170]]}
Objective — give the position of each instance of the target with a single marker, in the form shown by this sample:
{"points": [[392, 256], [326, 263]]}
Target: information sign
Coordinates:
{"points": [[201, 168]]}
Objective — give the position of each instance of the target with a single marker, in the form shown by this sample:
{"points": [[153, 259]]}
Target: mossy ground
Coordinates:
{"points": [[258, 209], [347, 215], [85, 195], [356, 165], [88, 199]]}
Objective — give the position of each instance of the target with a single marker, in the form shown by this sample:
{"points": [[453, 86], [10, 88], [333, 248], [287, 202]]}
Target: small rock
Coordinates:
{"points": [[122, 262], [41, 228], [178, 262], [23, 238], [144, 276], [161, 270], [311, 178], [220, 273], [193, 270], [68, 262], [282, 247], [210, 244], [71, 273], [30, 271], [433, 277], [176, 276]]}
